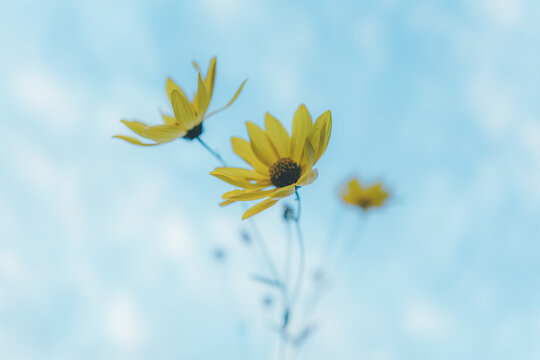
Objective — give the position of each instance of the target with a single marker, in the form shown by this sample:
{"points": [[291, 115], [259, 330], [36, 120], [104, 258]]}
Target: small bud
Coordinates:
{"points": [[268, 301], [219, 254], [288, 213], [246, 237]]}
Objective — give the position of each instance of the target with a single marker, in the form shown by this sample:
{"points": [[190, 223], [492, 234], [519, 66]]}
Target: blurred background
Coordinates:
{"points": [[112, 251]]}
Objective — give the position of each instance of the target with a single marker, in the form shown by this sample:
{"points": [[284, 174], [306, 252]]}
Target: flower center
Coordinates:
{"points": [[284, 172], [364, 203], [194, 132]]}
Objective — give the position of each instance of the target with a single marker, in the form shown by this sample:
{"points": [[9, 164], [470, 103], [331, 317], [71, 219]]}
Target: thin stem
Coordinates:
{"points": [[288, 255], [338, 264], [211, 151], [301, 246], [350, 247], [264, 250], [260, 242]]}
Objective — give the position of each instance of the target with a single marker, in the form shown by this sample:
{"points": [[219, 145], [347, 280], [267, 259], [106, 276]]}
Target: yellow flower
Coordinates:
{"points": [[188, 115], [365, 197], [280, 162]]}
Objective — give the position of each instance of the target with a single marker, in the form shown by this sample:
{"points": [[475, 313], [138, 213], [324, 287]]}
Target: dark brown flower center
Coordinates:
{"points": [[284, 172], [194, 132]]}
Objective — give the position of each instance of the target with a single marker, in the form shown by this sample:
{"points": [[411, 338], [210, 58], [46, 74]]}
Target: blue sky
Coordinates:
{"points": [[105, 248]]}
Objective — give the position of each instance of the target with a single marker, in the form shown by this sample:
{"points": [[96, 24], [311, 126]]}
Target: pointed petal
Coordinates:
{"points": [[230, 102], [210, 77], [226, 202], [263, 205], [136, 126], [164, 133], [242, 173], [308, 178], [202, 100], [260, 144], [196, 66], [169, 120], [308, 157], [133, 140], [242, 148], [236, 181], [278, 135], [183, 111], [283, 192], [301, 129], [327, 121], [247, 195], [170, 87]]}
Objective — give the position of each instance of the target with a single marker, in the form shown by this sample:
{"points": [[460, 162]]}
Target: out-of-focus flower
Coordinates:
{"points": [[279, 161], [188, 115], [366, 197]]}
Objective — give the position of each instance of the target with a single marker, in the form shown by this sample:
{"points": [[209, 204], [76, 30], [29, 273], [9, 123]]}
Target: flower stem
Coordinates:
{"points": [[211, 151], [301, 246], [260, 242]]}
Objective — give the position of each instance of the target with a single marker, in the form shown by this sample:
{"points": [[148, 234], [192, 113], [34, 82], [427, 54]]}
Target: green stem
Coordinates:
{"points": [[258, 237], [301, 246], [211, 151]]}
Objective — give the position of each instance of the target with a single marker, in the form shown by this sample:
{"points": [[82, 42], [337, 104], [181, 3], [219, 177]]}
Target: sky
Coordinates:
{"points": [[107, 250]]}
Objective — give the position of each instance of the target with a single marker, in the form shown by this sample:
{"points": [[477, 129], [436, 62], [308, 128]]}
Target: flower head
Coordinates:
{"points": [[188, 115], [280, 163], [365, 197]]}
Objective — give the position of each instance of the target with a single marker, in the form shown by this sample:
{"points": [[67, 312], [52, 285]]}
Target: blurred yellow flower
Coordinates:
{"points": [[279, 161], [365, 197], [188, 115]]}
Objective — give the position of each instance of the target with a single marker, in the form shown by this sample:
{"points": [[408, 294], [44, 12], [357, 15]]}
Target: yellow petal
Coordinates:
{"points": [[247, 195], [230, 102], [283, 192], [241, 173], [308, 178], [136, 126], [169, 120], [308, 157], [183, 111], [236, 181], [278, 135], [263, 205], [301, 129], [260, 144], [132, 140], [327, 121], [210, 77], [196, 66], [170, 87], [202, 100], [164, 133], [226, 202], [242, 148], [320, 134]]}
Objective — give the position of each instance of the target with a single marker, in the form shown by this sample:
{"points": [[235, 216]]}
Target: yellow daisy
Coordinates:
{"points": [[366, 197], [280, 163], [188, 115]]}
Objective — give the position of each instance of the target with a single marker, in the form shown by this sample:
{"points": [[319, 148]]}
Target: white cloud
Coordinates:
{"points": [[58, 186], [505, 13], [134, 211], [123, 323], [46, 96], [426, 320], [176, 236], [492, 104]]}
